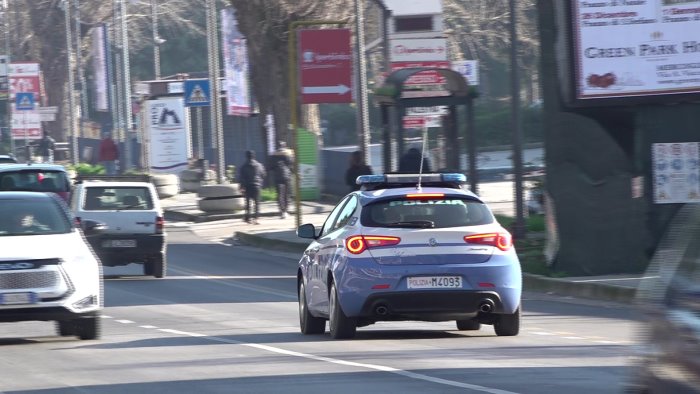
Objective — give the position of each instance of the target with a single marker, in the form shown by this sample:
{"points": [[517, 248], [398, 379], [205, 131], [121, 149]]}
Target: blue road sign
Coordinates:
{"points": [[196, 93], [24, 101]]}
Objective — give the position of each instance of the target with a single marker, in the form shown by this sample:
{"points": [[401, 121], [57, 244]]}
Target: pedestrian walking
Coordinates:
{"points": [[47, 145], [281, 170], [410, 162], [108, 154], [251, 176], [357, 168]]}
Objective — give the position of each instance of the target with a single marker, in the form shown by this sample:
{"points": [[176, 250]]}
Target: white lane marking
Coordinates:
{"points": [[148, 327], [542, 333], [608, 342], [106, 317], [574, 338], [375, 367], [124, 321], [615, 279], [178, 332]]}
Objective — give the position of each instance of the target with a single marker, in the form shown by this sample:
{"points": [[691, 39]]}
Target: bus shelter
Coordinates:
{"points": [[395, 96]]}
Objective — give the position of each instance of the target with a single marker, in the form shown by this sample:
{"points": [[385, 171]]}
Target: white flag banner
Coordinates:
{"points": [[236, 71]]}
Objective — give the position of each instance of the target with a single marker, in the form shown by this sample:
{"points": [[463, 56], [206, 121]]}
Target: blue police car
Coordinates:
{"points": [[409, 247]]}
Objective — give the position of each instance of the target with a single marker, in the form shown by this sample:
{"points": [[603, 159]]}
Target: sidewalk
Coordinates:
{"points": [[278, 234]]}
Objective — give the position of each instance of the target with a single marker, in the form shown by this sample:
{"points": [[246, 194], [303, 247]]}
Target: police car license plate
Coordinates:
{"points": [[120, 243], [17, 298], [434, 282]]}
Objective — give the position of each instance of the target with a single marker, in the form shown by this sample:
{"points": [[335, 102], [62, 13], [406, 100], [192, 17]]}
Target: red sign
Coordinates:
{"points": [[325, 66], [413, 122], [25, 78], [424, 77]]}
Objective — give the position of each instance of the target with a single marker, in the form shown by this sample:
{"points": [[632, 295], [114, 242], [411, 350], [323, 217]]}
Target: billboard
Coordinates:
{"points": [[25, 78], [168, 131], [236, 69], [325, 66], [635, 49]]}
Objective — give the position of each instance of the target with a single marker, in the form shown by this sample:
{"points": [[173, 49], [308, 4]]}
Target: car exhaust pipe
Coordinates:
{"points": [[486, 306], [381, 310]]}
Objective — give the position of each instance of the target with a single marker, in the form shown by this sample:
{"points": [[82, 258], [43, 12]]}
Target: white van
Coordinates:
{"points": [[135, 230]]}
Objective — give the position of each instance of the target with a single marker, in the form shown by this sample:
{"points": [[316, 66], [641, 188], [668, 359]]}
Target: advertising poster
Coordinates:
{"points": [[4, 82], [236, 73], [25, 78], [676, 172], [308, 165], [636, 48], [169, 135]]}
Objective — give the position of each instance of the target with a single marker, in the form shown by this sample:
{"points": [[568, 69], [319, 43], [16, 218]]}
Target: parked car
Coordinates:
{"points": [[5, 159], [47, 178], [404, 249], [47, 270], [134, 218], [668, 358]]}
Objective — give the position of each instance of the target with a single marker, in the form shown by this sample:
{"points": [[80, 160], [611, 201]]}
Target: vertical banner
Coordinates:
{"points": [[235, 66], [308, 165], [168, 129], [99, 68], [25, 78]]}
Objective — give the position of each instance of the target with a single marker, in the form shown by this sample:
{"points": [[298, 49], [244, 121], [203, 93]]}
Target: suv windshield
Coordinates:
{"points": [[426, 213], [117, 198], [33, 217]]}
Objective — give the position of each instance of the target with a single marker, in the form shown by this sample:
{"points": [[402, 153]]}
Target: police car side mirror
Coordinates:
{"points": [[306, 231]]}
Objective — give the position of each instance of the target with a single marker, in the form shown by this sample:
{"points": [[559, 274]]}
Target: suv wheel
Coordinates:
{"points": [[88, 328], [156, 266], [468, 325], [508, 325], [341, 326], [65, 328], [308, 323]]}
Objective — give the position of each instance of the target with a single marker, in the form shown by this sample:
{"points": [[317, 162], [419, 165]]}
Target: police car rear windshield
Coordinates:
{"points": [[426, 213]]}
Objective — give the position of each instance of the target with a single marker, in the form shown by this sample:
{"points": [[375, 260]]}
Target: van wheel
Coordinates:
{"points": [[88, 328], [65, 328], [156, 266]]}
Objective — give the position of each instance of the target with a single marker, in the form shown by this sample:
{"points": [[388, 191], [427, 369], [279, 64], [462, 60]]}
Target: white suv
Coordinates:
{"points": [[131, 211], [47, 270]]}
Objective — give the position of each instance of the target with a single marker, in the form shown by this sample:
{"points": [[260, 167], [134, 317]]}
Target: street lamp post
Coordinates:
{"points": [[215, 108], [126, 88], [519, 226], [157, 41], [361, 92], [71, 85]]}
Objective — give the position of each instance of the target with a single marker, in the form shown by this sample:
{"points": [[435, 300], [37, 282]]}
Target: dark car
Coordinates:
{"points": [[36, 177], [669, 357]]}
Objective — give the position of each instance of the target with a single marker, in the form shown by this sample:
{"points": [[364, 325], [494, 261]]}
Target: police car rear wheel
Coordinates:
{"points": [[341, 326], [508, 325], [308, 323]]}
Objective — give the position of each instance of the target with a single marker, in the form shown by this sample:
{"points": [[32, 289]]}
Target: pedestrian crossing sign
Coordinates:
{"points": [[196, 93], [24, 101]]}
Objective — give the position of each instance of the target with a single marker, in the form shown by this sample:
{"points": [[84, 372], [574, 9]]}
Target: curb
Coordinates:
{"points": [[271, 244], [531, 282], [204, 217], [596, 291]]}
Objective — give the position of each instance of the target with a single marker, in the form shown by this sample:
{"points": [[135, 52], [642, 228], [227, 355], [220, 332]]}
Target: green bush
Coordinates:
{"points": [[268, 194], [88, 169]]}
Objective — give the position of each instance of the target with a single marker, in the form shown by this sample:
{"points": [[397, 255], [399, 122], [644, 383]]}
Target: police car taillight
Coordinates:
{"points": [[359, 243], [502, 241]]}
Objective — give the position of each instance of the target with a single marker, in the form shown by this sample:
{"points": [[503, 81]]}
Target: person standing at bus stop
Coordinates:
{"points": [[109, 154]]}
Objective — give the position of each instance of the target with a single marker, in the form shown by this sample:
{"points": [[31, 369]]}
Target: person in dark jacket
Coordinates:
{"points": [[47, 145], [281, 170], [251, 176], [410, 162], [357, 168], [108, 154]]}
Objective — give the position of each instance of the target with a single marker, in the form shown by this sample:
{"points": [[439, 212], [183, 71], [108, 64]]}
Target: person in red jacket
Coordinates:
{"points": [[109, 154]]}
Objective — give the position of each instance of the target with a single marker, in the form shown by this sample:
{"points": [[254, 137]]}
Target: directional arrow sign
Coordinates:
{"points": [[325, 66], [338, 89]]}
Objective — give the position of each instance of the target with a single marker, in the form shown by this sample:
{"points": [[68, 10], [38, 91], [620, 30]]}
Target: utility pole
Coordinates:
{"points": [[217, 131], [519, 226], [126, 89], [156, 39], [81, 72], [361, 92], [71, 86]]}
